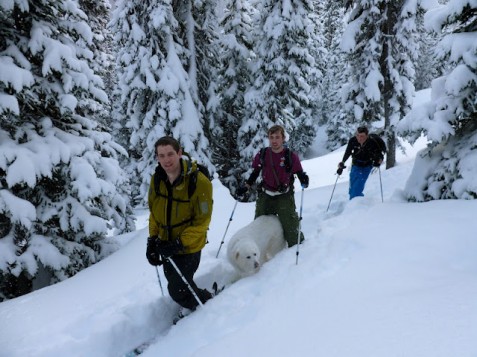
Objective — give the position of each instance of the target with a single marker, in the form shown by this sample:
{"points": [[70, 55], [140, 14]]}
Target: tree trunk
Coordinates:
{"points": [[391, 153], [388, 90]]}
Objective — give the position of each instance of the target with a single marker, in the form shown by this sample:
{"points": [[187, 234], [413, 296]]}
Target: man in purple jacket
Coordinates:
{"points": [[278, 166]]}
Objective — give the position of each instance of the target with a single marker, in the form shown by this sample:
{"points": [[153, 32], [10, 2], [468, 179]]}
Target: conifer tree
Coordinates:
{"points": [[428, 66], [157, 83], [331, 16], [379, 41], [61, 187], [233, 79], [102, 63], [285, 73], [206, 33], [447, 169]]}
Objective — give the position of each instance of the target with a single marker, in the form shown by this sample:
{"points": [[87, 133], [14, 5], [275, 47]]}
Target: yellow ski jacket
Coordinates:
{"points": [[173, 214]]}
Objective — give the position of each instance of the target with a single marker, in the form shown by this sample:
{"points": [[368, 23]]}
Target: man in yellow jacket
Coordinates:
{"points": [[178, 223]]}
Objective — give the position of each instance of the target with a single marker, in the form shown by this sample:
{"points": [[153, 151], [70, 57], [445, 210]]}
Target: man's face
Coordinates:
{"points": [[361, 137], [169, 158], [276, 141]]}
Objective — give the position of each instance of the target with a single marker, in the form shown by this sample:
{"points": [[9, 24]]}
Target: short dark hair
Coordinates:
{"points": [[362, 129], [275, 129], [168, 140]]}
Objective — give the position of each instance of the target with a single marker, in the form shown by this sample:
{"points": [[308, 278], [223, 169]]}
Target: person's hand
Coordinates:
{"points": [[341, 167], [152, 255], [304, 180], [168, 248], [242, 190], [377, 163]]}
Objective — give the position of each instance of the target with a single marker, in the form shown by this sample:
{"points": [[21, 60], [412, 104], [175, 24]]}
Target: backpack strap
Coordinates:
{"points": [[288, 159], [192, 183], [157, 183], [190, 189], [175, 225], [379, 142], [262, 156]]}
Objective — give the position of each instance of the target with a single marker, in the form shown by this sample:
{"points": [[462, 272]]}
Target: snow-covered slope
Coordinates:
{"points": [[373, 279]]}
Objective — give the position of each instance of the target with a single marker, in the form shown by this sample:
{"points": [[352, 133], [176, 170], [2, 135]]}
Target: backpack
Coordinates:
{"points": [[193, 178], [288, 159], [381, 144]]}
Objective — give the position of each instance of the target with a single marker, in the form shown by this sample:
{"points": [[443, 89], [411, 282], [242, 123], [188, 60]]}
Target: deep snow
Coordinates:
{"points": [[373, 279]]}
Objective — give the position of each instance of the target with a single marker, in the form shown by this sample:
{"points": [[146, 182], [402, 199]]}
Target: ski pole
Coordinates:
{"points": [[159, 280], [184, 280], [226, 229], [299, 226], [381, 184], [329, 203]]}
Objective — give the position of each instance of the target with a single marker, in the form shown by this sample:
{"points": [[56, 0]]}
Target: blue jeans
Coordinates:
{"points": [[357, 179]]}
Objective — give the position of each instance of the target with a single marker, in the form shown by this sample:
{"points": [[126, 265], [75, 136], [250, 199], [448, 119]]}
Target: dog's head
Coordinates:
{"points": [[248, 259]]}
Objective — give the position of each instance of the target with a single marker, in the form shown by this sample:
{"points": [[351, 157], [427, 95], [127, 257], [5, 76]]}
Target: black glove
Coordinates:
{"points": [[168, 248], [152, 255], [242, 190], [304, 179], [376, 164], [341, 167]]}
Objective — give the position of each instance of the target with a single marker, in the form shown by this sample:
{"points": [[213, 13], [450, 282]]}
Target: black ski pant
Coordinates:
{"points": [[178, 290]]}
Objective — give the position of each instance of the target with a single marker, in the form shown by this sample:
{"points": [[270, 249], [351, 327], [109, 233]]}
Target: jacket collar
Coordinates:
{"points": [[186, 168]]}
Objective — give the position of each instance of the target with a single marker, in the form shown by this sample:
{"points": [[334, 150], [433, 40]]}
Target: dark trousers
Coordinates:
{"points": [[178, 290], [284, 207]]}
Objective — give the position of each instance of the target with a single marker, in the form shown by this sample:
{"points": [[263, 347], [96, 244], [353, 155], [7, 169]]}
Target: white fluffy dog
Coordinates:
{"points": [[255, 244]]}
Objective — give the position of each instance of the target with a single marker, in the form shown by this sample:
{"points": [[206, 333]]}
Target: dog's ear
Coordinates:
{"points": [[237, 255]]}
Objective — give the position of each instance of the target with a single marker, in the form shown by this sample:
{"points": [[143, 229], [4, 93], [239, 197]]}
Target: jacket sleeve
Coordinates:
{"points": [[377, 153], [194, 236], [296, 163], [253, 177], [153, 228], [257, 167], [348, 151]]}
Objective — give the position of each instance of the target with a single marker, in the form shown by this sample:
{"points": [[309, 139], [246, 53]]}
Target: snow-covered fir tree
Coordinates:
{"points": [[233, 79], [428, 66], [379, 40], [102, 63], [448, 167], [61, 186], [157, 95], [205, 54], [327, 24], [331, 15], [285, 73]]}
